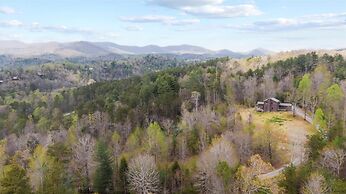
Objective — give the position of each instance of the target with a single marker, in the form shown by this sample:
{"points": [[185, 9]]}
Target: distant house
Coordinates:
{"points": [[40, 74], [1, 81], [15, 78], [273, 105]]}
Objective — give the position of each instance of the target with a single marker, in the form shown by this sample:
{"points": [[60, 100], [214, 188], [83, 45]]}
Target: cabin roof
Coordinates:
{"points": [[285, 104], [273, 99]]}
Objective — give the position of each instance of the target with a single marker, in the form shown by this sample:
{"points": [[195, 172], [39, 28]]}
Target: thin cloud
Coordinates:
{"points": [[325, 16], [319, 21], [209, 8], [184, 3], [134, 28], [7, 10], [59, 28], [37, 27], [11, 23], [147, 19], [223, 11], [183, 22], [167, 20]]}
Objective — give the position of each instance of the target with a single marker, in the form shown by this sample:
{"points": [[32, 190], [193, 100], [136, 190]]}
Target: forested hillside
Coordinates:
{"points": [[50, 76], [175, 128]]}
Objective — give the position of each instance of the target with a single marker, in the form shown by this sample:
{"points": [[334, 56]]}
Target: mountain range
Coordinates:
{"points": [[97, 49]]}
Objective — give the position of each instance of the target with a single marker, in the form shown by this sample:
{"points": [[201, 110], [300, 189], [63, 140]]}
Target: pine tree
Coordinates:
{"points": [[123, 183], [290, 183], [14, 180], [103, 182]]}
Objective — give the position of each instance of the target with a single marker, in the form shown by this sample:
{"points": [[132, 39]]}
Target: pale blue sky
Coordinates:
{"points": [[238, 25]]}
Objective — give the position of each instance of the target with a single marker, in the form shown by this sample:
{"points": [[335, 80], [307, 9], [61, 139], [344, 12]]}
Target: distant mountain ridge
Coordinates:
{"points": [[97, 49]]}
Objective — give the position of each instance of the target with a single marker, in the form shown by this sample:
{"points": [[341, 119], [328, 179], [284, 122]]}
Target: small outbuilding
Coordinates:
{"points": [[40, 74], [273, 105], [15, 78]]}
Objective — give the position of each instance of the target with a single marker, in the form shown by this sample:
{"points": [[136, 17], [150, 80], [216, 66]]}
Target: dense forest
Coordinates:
{"points": [[47, 76], [173, 128]]}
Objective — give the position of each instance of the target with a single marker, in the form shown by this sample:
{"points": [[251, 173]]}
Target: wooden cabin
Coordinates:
{"points": [[273, 105]]}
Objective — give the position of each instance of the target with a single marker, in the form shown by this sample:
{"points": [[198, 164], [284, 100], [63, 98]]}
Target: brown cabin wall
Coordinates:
{"points": [[286, 108], [271, 106]]}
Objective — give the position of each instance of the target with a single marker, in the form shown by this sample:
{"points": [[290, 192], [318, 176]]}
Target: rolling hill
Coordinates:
{"points": [[96, 49]]}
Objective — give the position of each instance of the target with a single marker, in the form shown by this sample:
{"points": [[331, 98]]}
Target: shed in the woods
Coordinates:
{"points": [[273, 105]]}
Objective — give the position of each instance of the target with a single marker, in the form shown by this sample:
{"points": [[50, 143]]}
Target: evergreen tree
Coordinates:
{"points": [[103, 182], [175, 177], [320, 121], [291, 181], [14, 180], [315, 145], [123, 183]]}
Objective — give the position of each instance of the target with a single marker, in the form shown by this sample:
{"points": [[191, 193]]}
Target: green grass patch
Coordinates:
{"points": [[277, 120]]}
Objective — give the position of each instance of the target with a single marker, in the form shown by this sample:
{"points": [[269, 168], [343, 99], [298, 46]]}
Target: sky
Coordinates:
{"points": [[238, 25]]}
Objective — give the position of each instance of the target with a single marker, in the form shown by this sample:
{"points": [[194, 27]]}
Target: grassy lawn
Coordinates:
{"points": [[291, 130], [277, 120]]}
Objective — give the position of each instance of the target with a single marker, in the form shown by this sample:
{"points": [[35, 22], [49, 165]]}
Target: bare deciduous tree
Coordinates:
{"points": [[231, 117], [143, 175], [207, 179], [188, 119], [316, 184], [268, 84], [250, 91], [96, 124], [205, 120], [248, 175], [243, 143], [333, 159], [343, 87], [195, 97], [167, 124], [204, 183], [83, 160]]}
